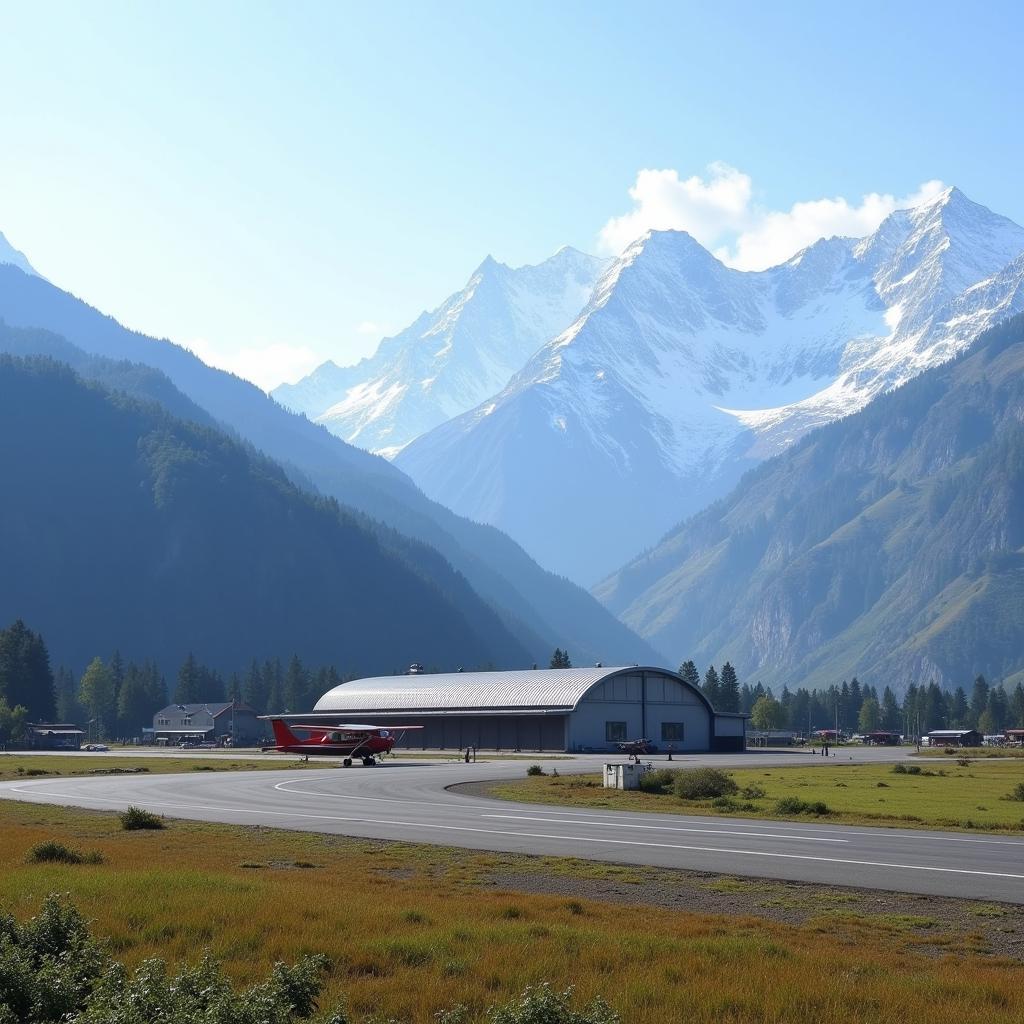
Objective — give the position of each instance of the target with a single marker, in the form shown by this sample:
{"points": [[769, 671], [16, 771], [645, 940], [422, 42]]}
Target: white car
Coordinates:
{"points": [[96, 747]]}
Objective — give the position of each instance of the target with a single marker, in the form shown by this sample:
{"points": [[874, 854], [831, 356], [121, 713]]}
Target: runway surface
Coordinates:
{"points": [[410, 801]]}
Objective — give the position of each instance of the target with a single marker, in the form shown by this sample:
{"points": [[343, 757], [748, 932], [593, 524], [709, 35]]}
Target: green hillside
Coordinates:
{"points": [[124, 527], [888, 545]]}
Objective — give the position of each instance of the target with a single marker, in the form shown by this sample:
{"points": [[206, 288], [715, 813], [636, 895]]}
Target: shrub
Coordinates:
{"points": [[703, 784], [907, 769], [52, 852], [543, 1005], [1018, 792], [535, 769], [794, 805], [658, 781], [136, 818], [754, 792], [964, 762]]}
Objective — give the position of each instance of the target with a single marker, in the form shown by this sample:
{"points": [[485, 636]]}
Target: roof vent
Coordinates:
{"points": [[599, 665], [415, 669]]}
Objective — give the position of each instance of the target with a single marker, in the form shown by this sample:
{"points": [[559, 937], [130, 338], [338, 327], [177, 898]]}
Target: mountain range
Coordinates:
{"points": [[448, 360], [542, 610], [887, 546], [124, 527], [681, 373]]}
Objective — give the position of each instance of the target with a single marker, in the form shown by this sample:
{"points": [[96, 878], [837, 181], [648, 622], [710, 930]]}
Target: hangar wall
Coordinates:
{"points": [[647, 704]]}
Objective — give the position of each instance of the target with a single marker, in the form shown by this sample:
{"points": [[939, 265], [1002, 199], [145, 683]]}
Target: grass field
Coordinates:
{"points": [[948, 795], [975, 752], [27, 766], [412, 930]]}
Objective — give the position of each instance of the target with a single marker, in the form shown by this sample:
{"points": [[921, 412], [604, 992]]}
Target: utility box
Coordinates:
{"points": [[624, 776]]}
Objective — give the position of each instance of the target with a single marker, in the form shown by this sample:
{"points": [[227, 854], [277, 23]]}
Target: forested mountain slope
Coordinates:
{"points": [[123, 527], [542, 609], [888, 545]]}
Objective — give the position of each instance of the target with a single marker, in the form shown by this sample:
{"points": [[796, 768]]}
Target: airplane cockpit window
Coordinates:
{"points": [[384, 734]]}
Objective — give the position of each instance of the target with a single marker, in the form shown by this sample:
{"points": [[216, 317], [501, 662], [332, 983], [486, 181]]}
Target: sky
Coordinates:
{"points": [[273, 184]]}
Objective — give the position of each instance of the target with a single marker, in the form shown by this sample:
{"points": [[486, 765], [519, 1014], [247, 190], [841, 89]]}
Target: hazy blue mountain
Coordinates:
{"points": [[887, 546], [543, 610], [123, 527], [682, 373], [13, 257]]}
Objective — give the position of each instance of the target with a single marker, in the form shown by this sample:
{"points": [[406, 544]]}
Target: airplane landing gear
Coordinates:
{"points": [[347, 762], [368, 761]]}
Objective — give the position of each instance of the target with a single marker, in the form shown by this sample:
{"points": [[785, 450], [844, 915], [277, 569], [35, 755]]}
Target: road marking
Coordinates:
{"points": [[667, 828], [560, 838], [728, 827]]}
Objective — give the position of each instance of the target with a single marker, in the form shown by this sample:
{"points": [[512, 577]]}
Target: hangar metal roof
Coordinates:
{"points": [[534, 688]]}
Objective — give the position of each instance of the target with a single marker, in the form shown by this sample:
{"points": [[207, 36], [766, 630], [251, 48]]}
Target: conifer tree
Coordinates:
{"points": [[690, 674], [890, 711], [711, 686], [728, 690], [26, 679], [135, 706], [979, 700], [296, 686], [254, 690], [560, 659], [189, 686]]}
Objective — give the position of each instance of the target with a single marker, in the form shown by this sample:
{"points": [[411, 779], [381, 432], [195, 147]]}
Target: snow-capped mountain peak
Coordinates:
{"points": [[681, 373], [449, 359]]}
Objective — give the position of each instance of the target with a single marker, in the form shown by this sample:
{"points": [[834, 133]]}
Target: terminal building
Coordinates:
{"points": [[574, 709]]}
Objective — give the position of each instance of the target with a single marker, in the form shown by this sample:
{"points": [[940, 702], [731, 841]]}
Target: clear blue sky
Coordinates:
{"points": [[267, 180]]}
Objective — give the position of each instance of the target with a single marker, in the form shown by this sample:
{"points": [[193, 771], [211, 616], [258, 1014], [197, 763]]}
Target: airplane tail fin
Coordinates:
{"points": [[283, 736]]}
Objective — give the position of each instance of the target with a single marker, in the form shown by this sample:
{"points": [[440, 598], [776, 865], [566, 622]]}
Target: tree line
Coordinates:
{"points": [[116, 698], [857, 708]]}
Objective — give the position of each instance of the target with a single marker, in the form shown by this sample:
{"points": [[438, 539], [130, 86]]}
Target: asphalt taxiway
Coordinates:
{"points": [[413, 801]]}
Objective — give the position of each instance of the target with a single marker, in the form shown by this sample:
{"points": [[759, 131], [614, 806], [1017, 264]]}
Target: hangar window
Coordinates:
{"points": [[671, 731], [615, 732]]}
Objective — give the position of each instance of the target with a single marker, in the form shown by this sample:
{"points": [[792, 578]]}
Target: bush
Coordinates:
{"points": [[794, 805], [1018, 792], [136, 818], [52, 852], [703, 784], [658, 781], [543, 1005], [907, 769], [754, 792], [535, 769], [964, 762]]}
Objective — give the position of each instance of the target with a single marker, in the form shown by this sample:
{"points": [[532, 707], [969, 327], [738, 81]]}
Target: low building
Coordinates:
{"points": [[53, 736], [223, 723], [574, 709], [880, 738], [1014, 736], [773, 738], [954, 738]]}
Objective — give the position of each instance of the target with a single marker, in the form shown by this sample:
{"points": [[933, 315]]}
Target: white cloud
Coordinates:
{"points": [[370, 327], [707, 209], [720, 213], [265, 365]]}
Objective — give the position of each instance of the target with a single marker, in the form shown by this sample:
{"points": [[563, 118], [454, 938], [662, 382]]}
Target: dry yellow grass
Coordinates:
{"points": [[412, 930]]}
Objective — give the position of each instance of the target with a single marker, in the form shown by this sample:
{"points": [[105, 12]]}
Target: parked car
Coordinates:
{"points": [[96, 747]]}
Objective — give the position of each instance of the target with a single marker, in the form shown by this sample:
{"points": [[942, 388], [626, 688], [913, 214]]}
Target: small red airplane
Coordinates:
{"points": [[348, 741]]}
